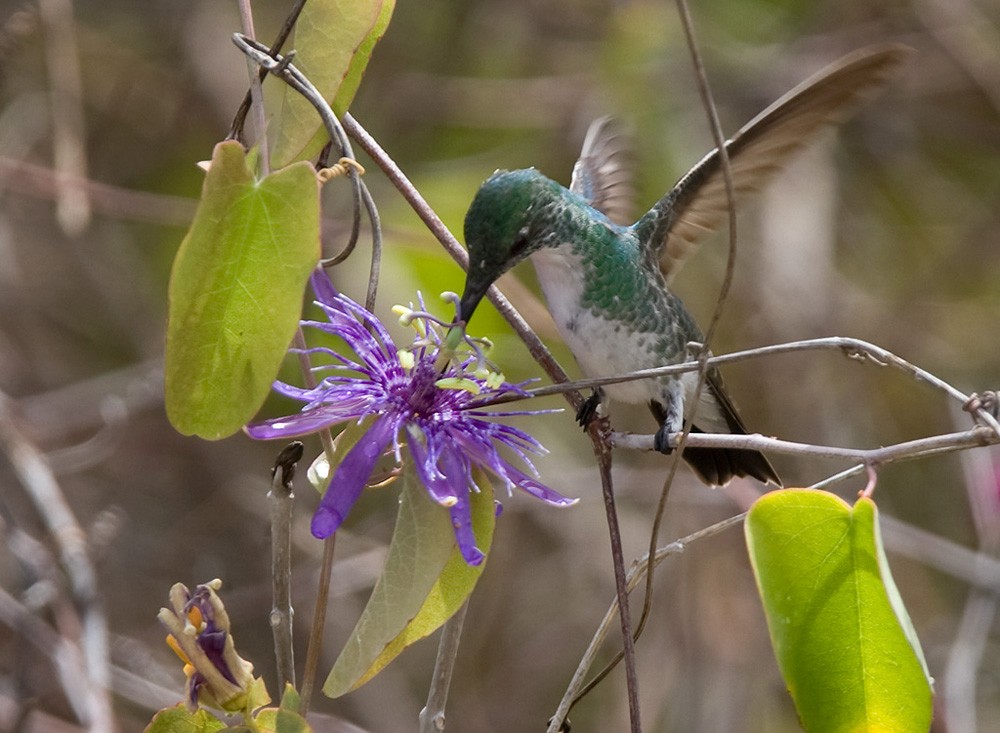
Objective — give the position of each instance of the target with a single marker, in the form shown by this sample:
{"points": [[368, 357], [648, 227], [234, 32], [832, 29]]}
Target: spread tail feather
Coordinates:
{"points": [[718, 466]]}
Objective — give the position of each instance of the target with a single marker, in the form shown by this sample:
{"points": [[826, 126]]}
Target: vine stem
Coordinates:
{"points": [[282, 501], [256, 90], [315, 645], [432, 718], [286, 71]]}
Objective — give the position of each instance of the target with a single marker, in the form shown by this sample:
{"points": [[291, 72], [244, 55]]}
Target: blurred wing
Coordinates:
{"points": [[603, 174], [697, 205]]}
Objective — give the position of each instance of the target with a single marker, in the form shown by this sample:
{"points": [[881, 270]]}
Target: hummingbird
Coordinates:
{"points": [[607, 281]]}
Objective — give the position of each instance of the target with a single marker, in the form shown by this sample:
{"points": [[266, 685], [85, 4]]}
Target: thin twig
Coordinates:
{"points": [[315, 646], [918, 448], [39, 482], [704, 91], [603, 451], [850, 347], [981, 606], [701, 77], [282, 501], [67, 119], [119, 202], [708, 103], [256, 92], [637, 572], [432, 718], [239, 119]]}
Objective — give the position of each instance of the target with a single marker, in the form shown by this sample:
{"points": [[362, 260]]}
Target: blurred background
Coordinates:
{"points": [[885, 231]]}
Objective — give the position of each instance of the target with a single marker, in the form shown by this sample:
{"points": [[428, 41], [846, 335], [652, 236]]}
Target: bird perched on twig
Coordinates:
{"points": [[607, 283]]}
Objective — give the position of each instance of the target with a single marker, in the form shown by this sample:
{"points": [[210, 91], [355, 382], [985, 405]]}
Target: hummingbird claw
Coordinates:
{"points": [[661, 441], [590, 409]]}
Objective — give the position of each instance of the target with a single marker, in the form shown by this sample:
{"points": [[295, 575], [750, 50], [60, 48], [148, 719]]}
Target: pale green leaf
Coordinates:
{"points": [[349, 87], [328, 36], [236, 291], [452, 588], [415, 585], [842, 638]]}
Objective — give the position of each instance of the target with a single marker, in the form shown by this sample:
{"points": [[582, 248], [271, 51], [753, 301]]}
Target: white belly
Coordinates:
{"points": [[601, 347]]}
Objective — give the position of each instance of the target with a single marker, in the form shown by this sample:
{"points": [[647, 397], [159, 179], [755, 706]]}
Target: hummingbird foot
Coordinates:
{"points": [[669, 417], [590, 409], [661, 441]]}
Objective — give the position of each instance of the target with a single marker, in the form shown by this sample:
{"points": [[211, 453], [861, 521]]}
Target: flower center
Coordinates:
{"points": [[421, 389]]}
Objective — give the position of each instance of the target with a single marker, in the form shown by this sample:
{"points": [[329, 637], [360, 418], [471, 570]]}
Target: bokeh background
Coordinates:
{"points": [[886, 231]]}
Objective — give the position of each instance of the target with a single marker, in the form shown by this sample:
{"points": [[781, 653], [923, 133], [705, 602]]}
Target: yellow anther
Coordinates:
{"points": [[405, 314], [172, 643]]}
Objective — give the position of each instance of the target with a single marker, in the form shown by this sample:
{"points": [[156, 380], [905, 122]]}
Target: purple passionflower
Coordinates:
{"points": [[414, 400]]}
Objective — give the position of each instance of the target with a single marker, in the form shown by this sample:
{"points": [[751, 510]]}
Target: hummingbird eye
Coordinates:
{"points": [[520, 243]]}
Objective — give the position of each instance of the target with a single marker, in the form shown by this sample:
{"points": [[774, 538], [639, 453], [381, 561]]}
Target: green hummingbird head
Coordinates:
{"points": [[503, 227]]}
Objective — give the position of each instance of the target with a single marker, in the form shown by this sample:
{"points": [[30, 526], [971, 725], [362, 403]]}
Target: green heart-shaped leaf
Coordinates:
{"points": [[236, 291], [841, 635]]}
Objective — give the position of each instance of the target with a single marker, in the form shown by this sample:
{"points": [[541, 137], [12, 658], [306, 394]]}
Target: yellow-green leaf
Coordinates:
{"points": [[179, 719], [841, 635], [236, 291], [349, 87], [283, 719], [424, 581], [452, 588], [333, 40]]}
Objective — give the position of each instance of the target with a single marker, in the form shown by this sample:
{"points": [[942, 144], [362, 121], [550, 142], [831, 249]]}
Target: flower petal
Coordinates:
{"points": [[536, 488], [349, 479], [425, 463], [456, 470], [461, 520], [293, 426], [322, 287]]}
